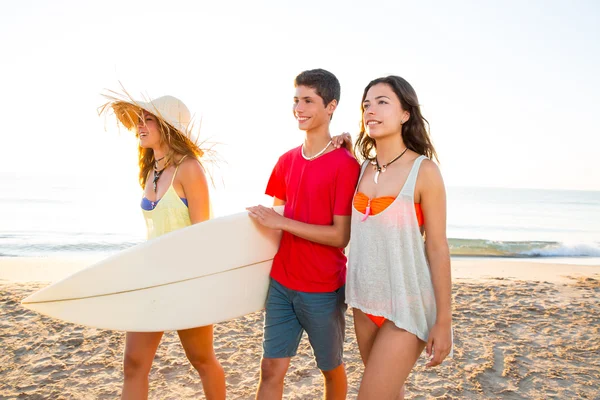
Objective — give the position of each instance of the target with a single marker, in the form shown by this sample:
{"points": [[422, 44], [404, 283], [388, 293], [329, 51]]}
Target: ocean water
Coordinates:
{"points": [[46, 217], [524, 223], [40, 216]]}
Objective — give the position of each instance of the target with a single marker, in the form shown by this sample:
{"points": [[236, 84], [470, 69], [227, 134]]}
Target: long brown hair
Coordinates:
{"points": [[415, 131]]}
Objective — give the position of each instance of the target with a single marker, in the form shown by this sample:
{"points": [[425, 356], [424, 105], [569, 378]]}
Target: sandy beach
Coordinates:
{"points": [[523, 330]]}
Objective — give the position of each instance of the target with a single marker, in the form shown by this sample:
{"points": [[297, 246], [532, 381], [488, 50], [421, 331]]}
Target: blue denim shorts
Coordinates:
{"points": [[321, 315]]}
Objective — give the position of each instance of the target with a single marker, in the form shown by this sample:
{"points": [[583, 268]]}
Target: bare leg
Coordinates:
{"points": [[336, 384], [366, 332], [272, 374], [393, 354], [140, 348], [198, 346]]}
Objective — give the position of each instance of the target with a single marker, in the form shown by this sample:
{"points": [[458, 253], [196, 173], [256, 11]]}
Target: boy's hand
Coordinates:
{"points": [[266, 217], [343, 140]]}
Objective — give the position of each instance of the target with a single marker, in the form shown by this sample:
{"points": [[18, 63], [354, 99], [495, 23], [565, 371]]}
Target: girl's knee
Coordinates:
{"points": [[203, 363], [135, 365]]}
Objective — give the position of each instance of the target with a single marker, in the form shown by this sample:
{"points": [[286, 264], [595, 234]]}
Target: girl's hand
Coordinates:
{"points": [[343, 140], [439, 343]]}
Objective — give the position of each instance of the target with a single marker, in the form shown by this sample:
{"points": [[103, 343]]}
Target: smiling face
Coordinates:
{"points": [[148, 131], [383, 114], [310, 110]]}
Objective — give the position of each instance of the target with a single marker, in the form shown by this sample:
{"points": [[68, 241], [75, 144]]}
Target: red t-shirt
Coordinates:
{"points": [[314, 191]]}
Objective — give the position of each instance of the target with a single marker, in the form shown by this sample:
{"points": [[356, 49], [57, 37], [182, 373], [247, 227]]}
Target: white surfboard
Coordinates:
{"points": [[196, 276]]}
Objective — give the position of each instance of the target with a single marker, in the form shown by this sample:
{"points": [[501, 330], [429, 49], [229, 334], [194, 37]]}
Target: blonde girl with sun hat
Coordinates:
{"points": [[175, 195]]}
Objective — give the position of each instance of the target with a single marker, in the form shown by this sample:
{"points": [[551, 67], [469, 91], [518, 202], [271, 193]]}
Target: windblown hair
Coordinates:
{"points": [[415, 131], [128, 114]]}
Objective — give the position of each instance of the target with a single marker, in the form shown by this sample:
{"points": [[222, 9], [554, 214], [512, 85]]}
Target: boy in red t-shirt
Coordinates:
{"points": [[316, 183]]}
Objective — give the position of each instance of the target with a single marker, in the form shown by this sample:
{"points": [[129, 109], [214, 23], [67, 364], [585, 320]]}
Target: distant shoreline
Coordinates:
{"points": [[52, 269]]}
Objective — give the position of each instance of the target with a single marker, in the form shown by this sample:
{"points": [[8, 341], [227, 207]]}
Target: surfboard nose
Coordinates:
{"points": [[33, 298], [49, 293], [29, 299], [30, 302]]}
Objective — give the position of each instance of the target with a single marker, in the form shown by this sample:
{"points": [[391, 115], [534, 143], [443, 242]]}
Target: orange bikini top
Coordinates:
{"points": [[378, 204]]}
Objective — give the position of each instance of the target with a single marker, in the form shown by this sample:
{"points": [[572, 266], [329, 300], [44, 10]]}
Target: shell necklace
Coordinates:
{"points": [[381, 169], [318, 154]]}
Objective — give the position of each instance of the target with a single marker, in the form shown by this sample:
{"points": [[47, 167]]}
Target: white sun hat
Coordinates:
{"points": [[168, 109]]}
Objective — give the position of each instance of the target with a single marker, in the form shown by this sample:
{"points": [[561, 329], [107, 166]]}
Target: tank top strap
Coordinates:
{"points": [[411, 181], [363, 168], [176, 168]]}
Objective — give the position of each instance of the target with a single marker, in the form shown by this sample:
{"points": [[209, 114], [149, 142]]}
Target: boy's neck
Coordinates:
{"points": [[315, 140]]}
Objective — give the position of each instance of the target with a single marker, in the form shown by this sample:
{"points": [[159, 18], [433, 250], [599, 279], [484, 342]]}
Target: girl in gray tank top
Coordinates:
{"points": [[398, 283]]}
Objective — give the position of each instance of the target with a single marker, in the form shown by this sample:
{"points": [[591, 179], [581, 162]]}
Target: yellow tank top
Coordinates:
{"points": [[170, 213]]}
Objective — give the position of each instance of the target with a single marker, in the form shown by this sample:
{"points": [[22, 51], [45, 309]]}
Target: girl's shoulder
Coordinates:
{"points": [[190, 170], [429, 176], [429, 167], [186, 161]]}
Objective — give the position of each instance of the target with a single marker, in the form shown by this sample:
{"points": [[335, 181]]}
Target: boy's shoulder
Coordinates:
{"points": [[345, 159], [346, 155], [290, 153]]}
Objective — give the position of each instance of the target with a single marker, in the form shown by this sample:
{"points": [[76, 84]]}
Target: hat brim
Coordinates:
{"points": [[129, 112]]}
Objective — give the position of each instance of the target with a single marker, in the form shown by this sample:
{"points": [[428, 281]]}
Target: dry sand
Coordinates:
{"points": [[522, 330]]}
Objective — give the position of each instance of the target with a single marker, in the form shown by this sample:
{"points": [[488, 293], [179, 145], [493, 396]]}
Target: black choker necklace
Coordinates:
{"points": [[381, 169]]}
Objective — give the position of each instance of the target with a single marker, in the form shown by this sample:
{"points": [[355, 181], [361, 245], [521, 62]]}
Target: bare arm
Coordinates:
{"points": [[195, 188], [335, 235], [433, 204]]}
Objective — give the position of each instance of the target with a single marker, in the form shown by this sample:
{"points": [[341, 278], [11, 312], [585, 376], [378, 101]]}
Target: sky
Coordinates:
{"points": [[510, 88]]}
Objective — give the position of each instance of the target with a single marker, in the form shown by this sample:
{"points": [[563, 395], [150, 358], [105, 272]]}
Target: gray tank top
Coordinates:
{"points": [[388, 272]]}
